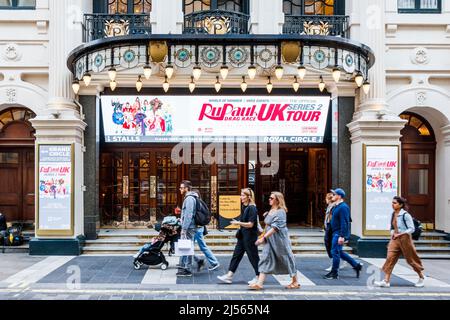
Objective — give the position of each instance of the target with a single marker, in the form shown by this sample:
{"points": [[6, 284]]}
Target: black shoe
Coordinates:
{"points": [[200, 264], [184, 273], [331, 276], [358, 269]]}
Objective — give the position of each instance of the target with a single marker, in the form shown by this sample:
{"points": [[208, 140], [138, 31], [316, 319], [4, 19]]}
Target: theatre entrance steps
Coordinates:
{"points": [[128, 241]]}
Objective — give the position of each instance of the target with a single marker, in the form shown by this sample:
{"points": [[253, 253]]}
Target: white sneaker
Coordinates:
{"points": [[136, 255], [253, 281], [382, 284], [226, 279], [420, 283]]}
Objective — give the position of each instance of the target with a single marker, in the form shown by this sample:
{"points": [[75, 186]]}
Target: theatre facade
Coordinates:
{"points": [[293, 96]]}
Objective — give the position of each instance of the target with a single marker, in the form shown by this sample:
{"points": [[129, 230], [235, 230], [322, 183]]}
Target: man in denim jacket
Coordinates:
{"points": [[340, 229], [188, 226]]}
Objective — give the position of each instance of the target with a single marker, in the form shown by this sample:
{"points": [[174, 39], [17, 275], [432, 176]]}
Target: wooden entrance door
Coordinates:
{"points": [[418, 167], [138, 186], [17, 184], [291, 179], [294, 183]]}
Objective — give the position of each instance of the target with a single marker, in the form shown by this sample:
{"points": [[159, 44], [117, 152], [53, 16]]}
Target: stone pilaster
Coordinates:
{"points": [[443, 208], [167, 17], [373, 122], [266, 17], [62, 121]]}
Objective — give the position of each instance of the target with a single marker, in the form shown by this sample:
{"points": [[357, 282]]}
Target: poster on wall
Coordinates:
{"points": [[229, 209], [55, 188], [274, 119], [381, 181]]}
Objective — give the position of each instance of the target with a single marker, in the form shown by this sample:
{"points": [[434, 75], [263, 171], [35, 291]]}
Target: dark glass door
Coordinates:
{"points": [[167, 180]]}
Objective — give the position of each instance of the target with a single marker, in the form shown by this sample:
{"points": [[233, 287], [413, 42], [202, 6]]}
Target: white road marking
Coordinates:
{"points": [[36, 272], [408, 274], [155, 275], [284, 280]]}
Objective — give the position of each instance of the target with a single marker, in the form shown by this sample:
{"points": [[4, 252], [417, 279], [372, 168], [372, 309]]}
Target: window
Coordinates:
{"points": [[310, 7], [423, 128], [129, 6], [419, 6], [191, 6], [17, 4]]}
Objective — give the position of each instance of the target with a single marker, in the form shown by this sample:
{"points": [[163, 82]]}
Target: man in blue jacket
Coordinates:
{"points": [[340, 229], [188, 226]]}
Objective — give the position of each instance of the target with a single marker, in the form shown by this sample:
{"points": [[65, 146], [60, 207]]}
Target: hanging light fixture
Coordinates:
{"points": [[87, 79], [279, 72], [321, 84], [112, 73], [76, 86], [113, 85], [296, 85], [169, 71], [166, 85], [197, 72], [366, 87], [243, 84], [224, 71], [217, 85], [269, 86], [359, 79], [191, 85], [336, 74], [252, 72], [301, 70], [147, 71], [139, 84]]}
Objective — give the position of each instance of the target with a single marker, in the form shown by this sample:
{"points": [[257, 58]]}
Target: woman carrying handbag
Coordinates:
{"points": [[277, 256], [246, 235]]}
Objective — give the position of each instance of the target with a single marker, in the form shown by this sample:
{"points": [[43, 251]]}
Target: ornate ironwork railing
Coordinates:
{"points": [[216, 22], [316, 25], [99, 26]]}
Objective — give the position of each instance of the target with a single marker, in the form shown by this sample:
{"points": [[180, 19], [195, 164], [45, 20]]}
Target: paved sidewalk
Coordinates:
{"points": [[113, 277]]}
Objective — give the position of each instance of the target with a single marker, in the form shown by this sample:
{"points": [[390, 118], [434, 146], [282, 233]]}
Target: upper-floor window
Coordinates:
{"points": [[128, 6], [419, 6], [312, 7], [17, 4], [191, 6]]}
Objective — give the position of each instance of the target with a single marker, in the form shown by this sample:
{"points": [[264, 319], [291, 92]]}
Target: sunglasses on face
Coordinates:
{"points": [[271, 198]]}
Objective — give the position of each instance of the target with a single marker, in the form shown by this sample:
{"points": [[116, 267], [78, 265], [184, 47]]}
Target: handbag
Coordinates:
{"points": [[259, 227], [184, 247], [184, 244]]}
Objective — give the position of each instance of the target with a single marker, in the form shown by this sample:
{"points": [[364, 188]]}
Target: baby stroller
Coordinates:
{"points": [[151, 253]]}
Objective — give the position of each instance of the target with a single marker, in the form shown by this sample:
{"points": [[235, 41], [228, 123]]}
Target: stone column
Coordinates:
{"points": [[443, 208], [373, 122], [62, 122], [167, 17], [266, 17]]}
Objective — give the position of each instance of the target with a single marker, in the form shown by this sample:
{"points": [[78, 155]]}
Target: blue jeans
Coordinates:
{"points": [[337, 253], [204, 248]]}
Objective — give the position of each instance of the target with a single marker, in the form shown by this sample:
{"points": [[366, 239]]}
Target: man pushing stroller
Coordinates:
{"points": [[151, 253]]}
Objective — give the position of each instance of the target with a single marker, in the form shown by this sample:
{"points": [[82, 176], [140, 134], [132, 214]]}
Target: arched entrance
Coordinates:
{"points": [[17, 165], [418, 167]]}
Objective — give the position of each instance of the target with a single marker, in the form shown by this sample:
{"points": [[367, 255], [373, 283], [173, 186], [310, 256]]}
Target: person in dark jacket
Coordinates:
{"points": [[247, 236], [340, 231]]}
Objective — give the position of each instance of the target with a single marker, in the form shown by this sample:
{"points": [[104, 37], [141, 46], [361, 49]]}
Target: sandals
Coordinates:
{"points": [[293, 286], [255, 286]]}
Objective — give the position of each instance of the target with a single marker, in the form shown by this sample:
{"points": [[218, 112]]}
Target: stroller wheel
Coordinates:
{"points": [[137, 265], [164, 266]]}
